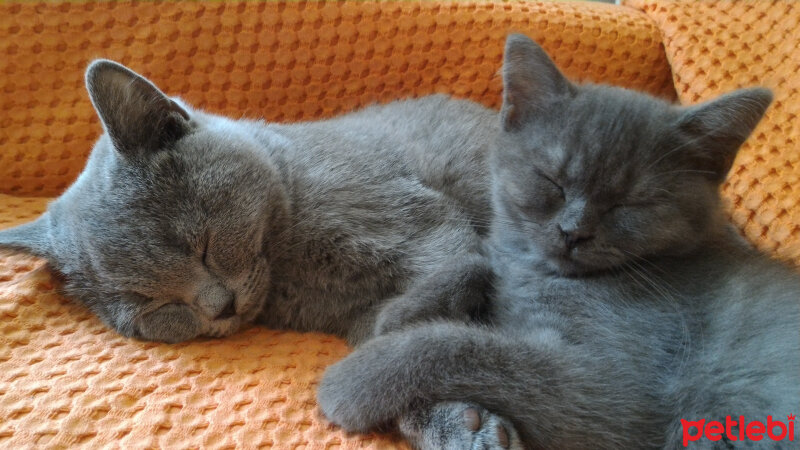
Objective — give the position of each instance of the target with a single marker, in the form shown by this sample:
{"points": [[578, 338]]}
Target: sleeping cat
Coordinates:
{"points": [[624, 302], [188, 224]]}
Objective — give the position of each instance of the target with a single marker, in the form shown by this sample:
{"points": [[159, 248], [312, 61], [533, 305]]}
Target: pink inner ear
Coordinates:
{"points": [[177, 108]]}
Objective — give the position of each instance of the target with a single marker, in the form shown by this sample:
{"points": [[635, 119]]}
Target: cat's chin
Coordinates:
{"points": [[564, 266]]}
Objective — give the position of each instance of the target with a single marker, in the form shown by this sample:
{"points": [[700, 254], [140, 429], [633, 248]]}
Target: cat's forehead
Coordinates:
{"points": [[200, 167], [603, 117], [613, 136]]}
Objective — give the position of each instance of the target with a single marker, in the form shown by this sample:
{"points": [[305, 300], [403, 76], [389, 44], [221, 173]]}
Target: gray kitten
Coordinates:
{"points": [[188, 224], [624, 302]]}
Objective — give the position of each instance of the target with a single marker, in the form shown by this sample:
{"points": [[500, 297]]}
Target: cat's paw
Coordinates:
{"points": [[348, 398], [171, 323], [456, 426]]}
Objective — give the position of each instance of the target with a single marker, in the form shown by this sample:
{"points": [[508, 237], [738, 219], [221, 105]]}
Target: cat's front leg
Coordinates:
{"points": [[457, 426], [458, 290], [377, 385]]}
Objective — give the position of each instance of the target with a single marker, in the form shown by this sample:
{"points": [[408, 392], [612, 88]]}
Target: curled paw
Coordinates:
{"points": [[355, 394], [456, 425]]}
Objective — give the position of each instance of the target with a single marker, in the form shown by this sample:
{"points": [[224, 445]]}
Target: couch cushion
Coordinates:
{"points": [[718, 46], [65, 379]]}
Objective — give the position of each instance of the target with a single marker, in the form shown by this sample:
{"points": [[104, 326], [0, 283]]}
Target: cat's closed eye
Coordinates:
{"points": [[542, 195], [204, 254], [553, 184]]}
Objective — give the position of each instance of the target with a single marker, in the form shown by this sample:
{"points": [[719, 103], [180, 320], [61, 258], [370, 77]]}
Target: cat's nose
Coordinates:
{"points": [[228, 311], [216, 301], [575, 237]]}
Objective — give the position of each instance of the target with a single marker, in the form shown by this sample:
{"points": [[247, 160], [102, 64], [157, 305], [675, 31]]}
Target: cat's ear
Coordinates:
{"points": [[531, 81], [32, 237], [137, 116], [717, 128]]}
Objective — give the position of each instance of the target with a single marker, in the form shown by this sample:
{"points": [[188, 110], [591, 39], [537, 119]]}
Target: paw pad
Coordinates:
{"points": [[502, 436], [472, 419]]}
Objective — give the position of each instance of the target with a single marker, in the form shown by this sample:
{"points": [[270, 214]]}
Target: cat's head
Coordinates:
{"points": [[165, 234], [588, 178]]}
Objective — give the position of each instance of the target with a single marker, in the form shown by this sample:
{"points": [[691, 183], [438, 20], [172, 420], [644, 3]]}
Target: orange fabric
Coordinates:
{"points": [[715, 47], [64, 378], [281, 61]]}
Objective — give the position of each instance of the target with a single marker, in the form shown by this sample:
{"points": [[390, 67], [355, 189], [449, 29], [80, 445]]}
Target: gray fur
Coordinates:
{"points": [[445, 426], [188, 224], [623, 300]]}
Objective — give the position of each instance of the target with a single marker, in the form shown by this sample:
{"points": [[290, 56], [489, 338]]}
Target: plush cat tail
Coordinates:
{"points": [[717, 128], [137, 116], [32, 237], [531, 81]]}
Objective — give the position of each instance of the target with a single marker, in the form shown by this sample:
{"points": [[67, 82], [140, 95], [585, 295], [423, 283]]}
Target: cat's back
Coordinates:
{"points": [[439, 142], [378, 197], [435, 122]]}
